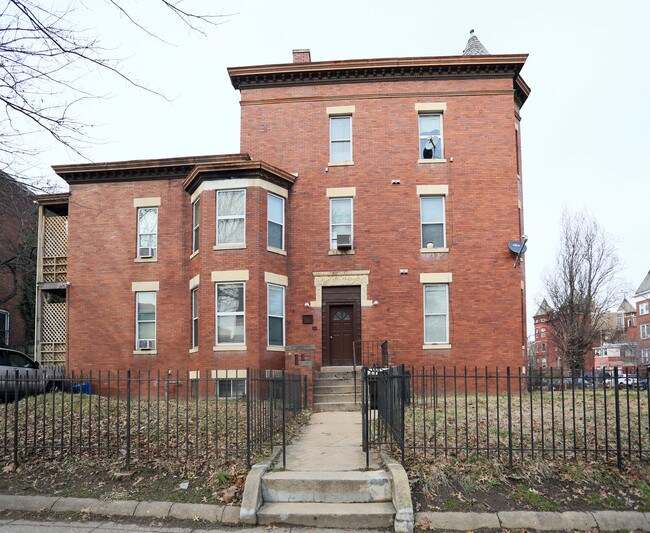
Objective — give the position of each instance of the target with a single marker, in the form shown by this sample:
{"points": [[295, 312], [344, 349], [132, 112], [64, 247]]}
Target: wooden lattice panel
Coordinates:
{"points": [[53, 353], [55, 242], [55, 269], [54, 322]]}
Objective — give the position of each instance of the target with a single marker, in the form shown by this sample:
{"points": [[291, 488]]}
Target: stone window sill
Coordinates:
{"points": [[145, 260], [194, 254], [229, 348], [341, 252], [194, 350], [276, 250], [229, 246], [430, 161], [275, 348], [145, 352], [433, 250], [436, 347], [340, 164]]}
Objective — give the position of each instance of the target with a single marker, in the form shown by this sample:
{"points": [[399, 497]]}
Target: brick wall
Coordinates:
{"points": [[289, 127]]}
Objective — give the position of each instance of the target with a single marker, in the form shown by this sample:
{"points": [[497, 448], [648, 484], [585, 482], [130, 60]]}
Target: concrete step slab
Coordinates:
{"points": [[335, 398], [334, 407], [335, 389], [339, 515], [327, 487]]}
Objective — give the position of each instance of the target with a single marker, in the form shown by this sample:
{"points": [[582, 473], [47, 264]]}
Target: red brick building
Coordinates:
{"points": [[642, 298], [372, 200], [17, 237]]}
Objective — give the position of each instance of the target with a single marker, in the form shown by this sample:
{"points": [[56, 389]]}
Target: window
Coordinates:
{"points": [[645, 331], [230, 313], [147, 232], [645, 356], [195, 225], [643, 308], [430, 136], [4, 328], [195, 317], [543, 347], [544, 362], [231, 217], [432, 218], [275, 215], [275, 300], [436, 314], [231, 388], [543, 332], [340, 222], [340, 139], [145, 321]]}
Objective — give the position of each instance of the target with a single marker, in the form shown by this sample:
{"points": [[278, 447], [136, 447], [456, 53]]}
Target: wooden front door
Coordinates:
{"points": [[341, 330]]}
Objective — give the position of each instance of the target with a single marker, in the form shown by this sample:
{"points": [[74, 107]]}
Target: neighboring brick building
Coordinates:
{"points": [[17, 239], [642, 297], [373, 200], [545, 353]]}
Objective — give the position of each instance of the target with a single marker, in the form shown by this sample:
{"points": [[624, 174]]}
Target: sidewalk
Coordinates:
{"points": [[331, 442]]}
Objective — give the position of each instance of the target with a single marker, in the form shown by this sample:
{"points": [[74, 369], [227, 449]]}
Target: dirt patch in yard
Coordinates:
{"points": [[489, 486], [107, 480]]}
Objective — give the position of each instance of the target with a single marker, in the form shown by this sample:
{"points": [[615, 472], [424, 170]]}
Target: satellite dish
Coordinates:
{"points": [[517, 247]]}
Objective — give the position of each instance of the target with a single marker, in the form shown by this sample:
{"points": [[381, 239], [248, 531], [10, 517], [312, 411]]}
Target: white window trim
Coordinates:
{"points": [[217, 314], [332, 245], [430, 112], [644, 331], [155, 249], [223, 245], [7, 316], [444, 225], [269, 316], [644, 308], [194, 295], [269, 221], [138, 321], [349, 161], [196, 220], [444, 342]]}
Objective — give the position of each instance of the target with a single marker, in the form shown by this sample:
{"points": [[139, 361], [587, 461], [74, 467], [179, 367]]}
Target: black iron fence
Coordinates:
{"points": [[507, 415], [371, 354], [213, 415]]}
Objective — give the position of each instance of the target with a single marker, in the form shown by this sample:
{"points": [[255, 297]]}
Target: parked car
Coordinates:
{"points": [[20, 375], [622, 382], [643, 384]]}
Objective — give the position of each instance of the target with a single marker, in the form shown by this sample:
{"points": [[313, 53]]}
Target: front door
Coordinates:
{"points": [[341, 330]]}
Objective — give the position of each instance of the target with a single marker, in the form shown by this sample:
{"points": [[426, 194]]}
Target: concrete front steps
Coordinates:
{"points": [[334, 389], [351, 499]]}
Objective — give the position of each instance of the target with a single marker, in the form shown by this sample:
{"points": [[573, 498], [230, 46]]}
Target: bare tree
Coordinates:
{"points": [[17, 243], [45, 60], [582, 287]]}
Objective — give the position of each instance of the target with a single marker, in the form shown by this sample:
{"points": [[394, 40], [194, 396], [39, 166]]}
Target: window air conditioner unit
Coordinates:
{"points": [[343, 241], [146, 344], [146, 252]]}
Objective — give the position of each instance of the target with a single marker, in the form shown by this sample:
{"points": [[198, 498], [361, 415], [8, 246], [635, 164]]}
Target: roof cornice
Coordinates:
{"points": [[245, 169], [142, 169], [389, 69]]}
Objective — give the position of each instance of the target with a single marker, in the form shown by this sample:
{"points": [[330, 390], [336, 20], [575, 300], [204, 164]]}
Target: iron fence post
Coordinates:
{"points": [[284, 420], [402, 407], [509, 418], [304, 393], [617, 411], [128, 419], [248, 417], [16, 390]]}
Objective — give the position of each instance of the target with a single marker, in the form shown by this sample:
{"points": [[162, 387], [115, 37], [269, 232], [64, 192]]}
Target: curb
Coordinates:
{"points": [[223, 514], [540, 521]]}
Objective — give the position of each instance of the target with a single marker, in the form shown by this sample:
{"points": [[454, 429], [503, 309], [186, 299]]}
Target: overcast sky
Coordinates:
{"points": [[585, 141]]}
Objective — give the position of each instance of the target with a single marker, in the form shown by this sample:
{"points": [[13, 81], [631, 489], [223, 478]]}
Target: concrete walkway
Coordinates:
{"points": [[330, 443]]}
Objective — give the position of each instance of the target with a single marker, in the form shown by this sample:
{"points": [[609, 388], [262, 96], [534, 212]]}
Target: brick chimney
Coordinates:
{"points": [[302, 56]]}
